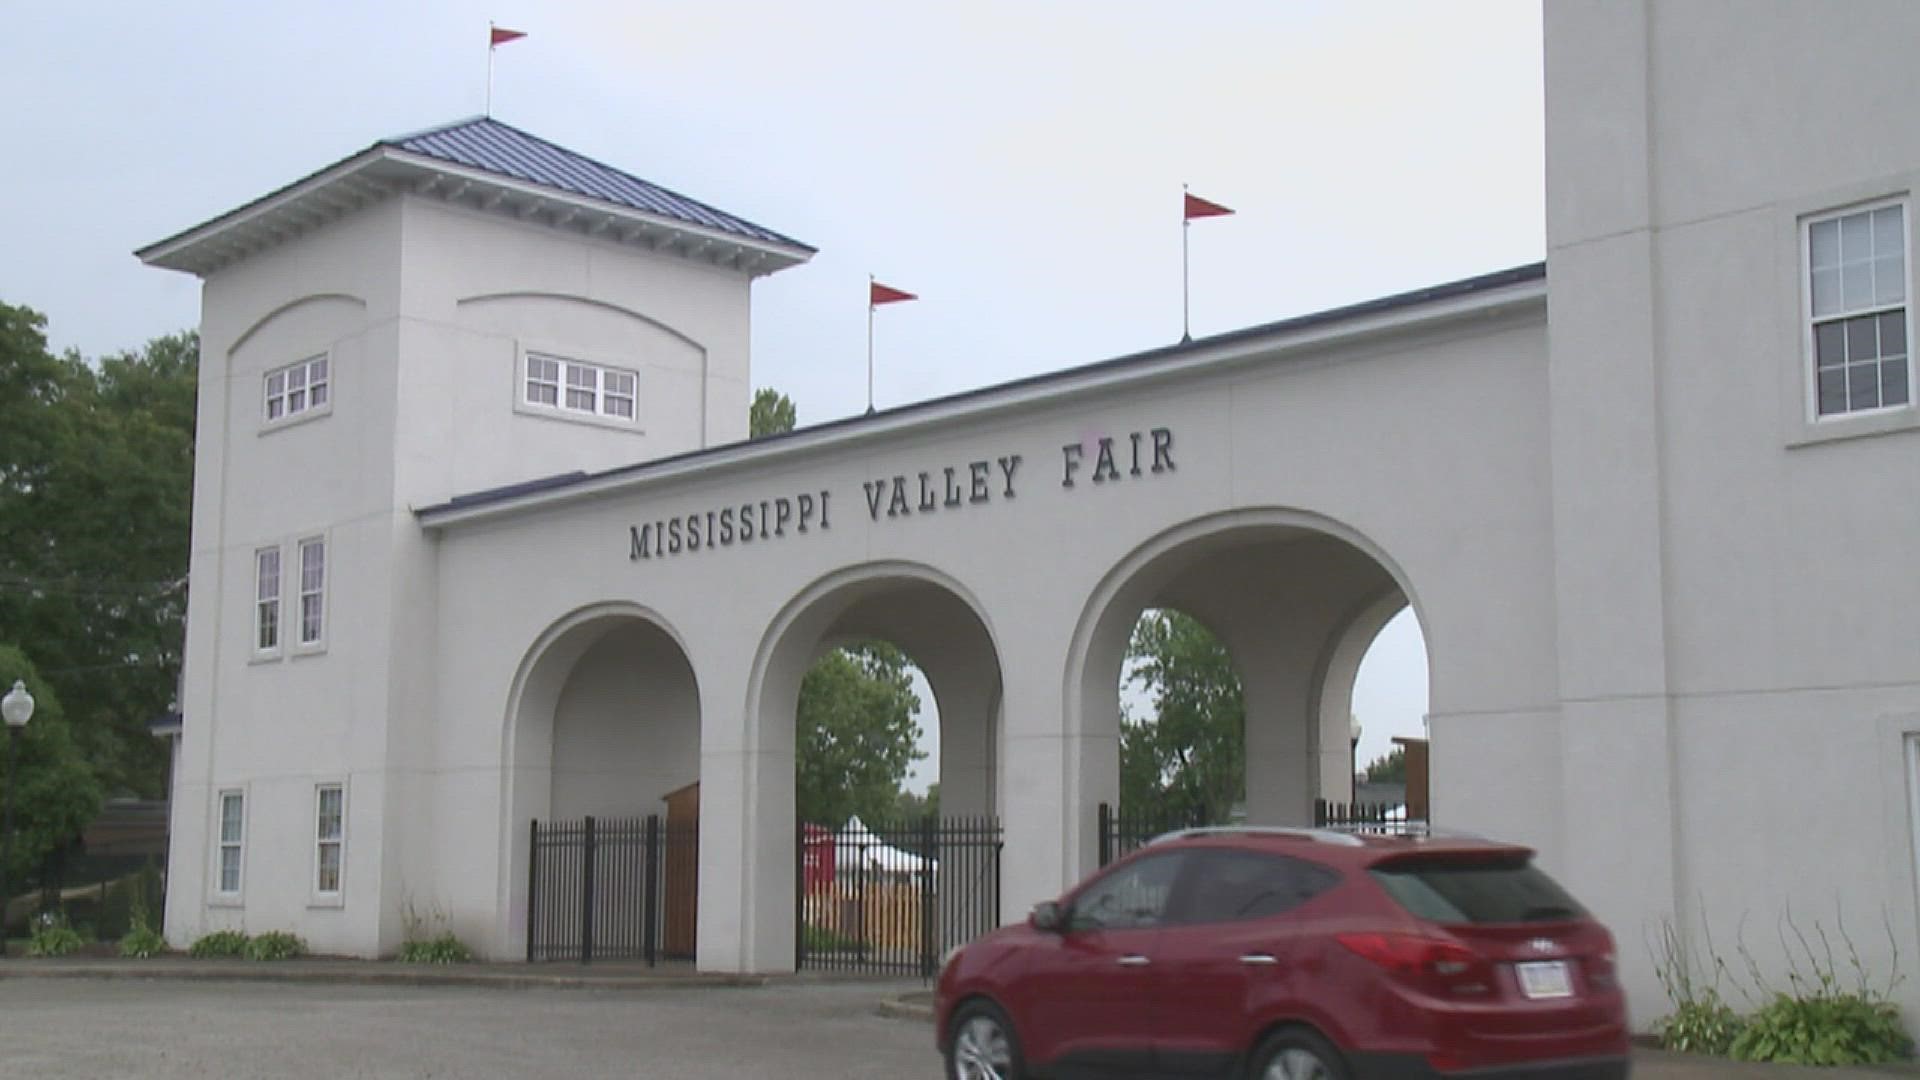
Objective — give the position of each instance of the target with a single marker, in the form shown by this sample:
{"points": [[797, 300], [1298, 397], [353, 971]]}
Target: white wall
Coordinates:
{"points": [[1737, 612]]}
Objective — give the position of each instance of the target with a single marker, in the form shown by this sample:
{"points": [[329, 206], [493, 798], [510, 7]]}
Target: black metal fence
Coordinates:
{"points": [[1123, 829], [1385, 819], [611, 889], [894, 897]]}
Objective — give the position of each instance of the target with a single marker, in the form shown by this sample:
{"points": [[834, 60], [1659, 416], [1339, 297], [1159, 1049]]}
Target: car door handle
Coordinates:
{"points": [[1133, 960], [1258, 959]]}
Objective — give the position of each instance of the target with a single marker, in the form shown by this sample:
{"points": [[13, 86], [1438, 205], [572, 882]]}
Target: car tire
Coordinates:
{"points": [[981, 1045], [1296, 1054]]}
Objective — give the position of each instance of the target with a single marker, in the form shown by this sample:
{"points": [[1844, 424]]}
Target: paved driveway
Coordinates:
{"points": [[162, 1029]]}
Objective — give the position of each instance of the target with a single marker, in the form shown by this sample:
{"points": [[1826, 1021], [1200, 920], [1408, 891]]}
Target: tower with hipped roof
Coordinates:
{"points": [[455, 310]]}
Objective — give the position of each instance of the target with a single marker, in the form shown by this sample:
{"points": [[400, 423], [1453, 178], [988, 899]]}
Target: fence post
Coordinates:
{"points": [[1106, 833], [929, 865], [650, 905], [800, 897], [533, 880], [586, 894]]}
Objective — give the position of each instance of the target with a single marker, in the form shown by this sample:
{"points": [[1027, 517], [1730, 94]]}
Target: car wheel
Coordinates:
{"points": [[981, 1046], [1297, 1054]]}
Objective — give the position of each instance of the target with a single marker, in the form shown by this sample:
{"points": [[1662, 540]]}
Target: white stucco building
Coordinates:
{"points": [[477, 541]]}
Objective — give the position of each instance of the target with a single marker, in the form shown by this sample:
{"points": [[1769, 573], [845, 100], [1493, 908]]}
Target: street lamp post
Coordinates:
{"points": [[17, 708]]}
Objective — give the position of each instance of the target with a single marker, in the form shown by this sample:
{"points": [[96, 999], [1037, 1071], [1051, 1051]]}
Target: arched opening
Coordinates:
{"points": [[605, 723], [1290, 603], [935, 628]]}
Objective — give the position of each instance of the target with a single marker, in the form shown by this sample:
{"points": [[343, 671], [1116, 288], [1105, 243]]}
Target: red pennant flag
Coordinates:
{"points": [[878, 294], [501, 35], [1198, 207]]}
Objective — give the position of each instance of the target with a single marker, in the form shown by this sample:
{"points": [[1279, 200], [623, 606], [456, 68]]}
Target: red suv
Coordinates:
{"points": [[1294, 954]]}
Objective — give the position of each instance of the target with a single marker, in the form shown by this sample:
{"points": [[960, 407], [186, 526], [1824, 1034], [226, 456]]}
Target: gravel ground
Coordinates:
{"points": [[160, 1029]]}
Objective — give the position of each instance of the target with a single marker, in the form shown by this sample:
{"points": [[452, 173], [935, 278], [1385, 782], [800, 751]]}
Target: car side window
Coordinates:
{"points": [[1232, 886], [1130, 898]]}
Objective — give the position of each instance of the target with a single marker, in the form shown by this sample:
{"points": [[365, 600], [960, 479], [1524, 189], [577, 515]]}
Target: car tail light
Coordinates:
{"points": [[1602, 974], [1434, 964]]}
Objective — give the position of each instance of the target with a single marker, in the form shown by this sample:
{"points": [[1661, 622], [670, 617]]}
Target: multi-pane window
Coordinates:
{"points": [[266, 593], [313, 581], [232, 831], [330, 835], [1857, 285], [580, 387], [543, 380], [296, 389]]}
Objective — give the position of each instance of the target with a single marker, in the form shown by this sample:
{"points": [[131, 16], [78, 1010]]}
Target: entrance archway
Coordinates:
{"points": [[1296, 599], [604, 722], [939, 626]]}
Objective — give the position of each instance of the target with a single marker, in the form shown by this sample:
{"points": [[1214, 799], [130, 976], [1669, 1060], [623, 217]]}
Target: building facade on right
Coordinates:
{"points": [[1735, 463]]}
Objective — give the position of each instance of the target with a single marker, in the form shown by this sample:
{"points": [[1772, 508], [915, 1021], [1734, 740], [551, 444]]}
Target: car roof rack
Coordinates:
{"points": [[1324, 836]]}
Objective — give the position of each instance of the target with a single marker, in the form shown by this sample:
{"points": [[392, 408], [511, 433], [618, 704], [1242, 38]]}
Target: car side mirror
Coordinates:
{"points": [[1047, 917]]}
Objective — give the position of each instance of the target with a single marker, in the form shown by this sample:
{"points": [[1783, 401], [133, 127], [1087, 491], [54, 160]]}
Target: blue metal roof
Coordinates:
{"points": [[488, 145]]}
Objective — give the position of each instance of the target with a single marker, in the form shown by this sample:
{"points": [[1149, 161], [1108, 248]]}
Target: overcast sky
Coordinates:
{"points": [[1017, 164]]}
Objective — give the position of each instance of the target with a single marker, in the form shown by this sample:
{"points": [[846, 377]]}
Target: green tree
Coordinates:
{"points": [[857, 737], [1187, 762], [1389, 769], [96, 482], [57, 794], [908, 806], [772, 413]]}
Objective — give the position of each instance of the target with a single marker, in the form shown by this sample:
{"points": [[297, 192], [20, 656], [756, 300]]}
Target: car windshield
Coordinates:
{"points": [[1508, 889]]}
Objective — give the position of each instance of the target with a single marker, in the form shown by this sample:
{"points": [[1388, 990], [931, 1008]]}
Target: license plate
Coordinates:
{"points": [[1545, 979]]}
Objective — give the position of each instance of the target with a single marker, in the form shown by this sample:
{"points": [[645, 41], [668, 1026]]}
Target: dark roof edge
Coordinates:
{"points": [[557, 148], [1502, 279], [395, 144]]}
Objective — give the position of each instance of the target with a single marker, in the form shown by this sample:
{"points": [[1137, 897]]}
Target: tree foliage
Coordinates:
{"points": [[57, 794], [96, 483], [1390, 768], [857, 736], [772, 413], [1187, 762]]}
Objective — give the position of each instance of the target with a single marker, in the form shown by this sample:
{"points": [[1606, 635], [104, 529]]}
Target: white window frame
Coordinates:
{"points": [[335, 896], [221, 895], [315, 374], [262, 604], [1809, 357], [613, 390], [301, 593]]}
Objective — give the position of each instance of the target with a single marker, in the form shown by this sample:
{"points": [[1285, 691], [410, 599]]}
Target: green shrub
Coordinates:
{"points": [[1703, 1024], [53, 937], [219, 945], [276, 945], [444, 949], [1826, 1028], [142, 942]]}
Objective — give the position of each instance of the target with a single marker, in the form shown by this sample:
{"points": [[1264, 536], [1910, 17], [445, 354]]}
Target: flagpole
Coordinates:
{"points": [[1186, 307], [489, 110], [869, 344]]}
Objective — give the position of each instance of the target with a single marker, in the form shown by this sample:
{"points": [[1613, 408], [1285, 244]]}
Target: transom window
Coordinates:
{"points": [[266, 591], [298, 388], [330, 836], [576, 386], [1857, 288], [232, 829], [313, 582]]}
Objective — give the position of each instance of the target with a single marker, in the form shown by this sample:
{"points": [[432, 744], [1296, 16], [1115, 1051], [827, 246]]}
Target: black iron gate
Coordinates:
{"points": [[611, 889], [894, 896]]}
